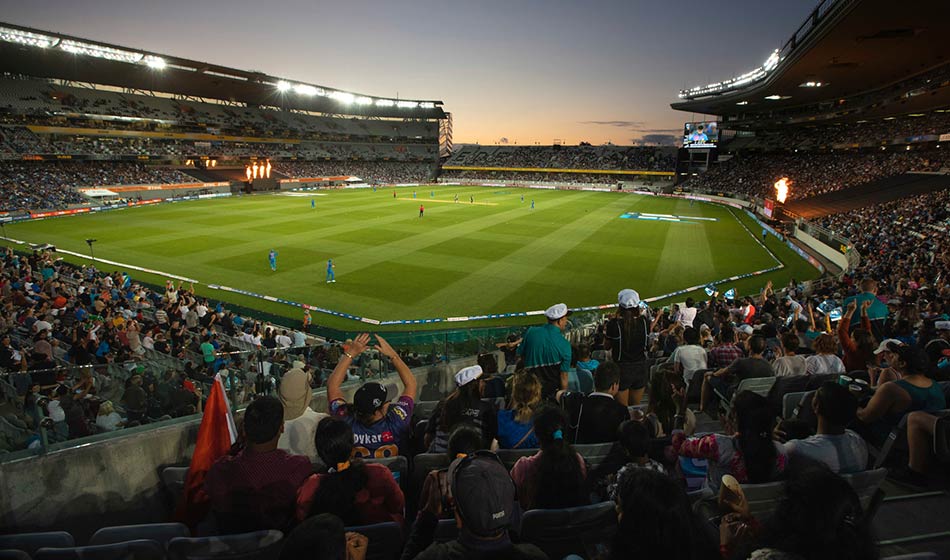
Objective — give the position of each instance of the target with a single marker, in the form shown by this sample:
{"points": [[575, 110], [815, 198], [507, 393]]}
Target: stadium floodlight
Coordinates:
{"points": [[773, 97], [742, 103], [342, 97], [99, 51], [27, 38], [304, 89], [771, 62], [156, 62], [363, 100], [427, 105], [385, 102], [407, 104], [283, 86]]}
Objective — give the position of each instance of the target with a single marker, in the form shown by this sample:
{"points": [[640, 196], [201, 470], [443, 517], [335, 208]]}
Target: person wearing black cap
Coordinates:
{"points": [[485, 508], [380, 428]]}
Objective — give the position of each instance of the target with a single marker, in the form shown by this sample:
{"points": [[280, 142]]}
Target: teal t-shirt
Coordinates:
{"points": [[207, 350]]}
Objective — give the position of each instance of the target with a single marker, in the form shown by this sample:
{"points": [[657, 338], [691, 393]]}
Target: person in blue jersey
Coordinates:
{"points": [[331, 277], [380, 422], [313, 203], [532, 204], [272, 259]]}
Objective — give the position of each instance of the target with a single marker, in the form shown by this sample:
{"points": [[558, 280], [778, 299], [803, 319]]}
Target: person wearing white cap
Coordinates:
{"points": [[886, 353], [547, 353], [300, 421], [464, 405], [626, 336]]}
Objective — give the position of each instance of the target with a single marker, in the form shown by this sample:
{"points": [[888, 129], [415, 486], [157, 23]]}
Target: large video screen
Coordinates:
{"points": [[701, 134]]}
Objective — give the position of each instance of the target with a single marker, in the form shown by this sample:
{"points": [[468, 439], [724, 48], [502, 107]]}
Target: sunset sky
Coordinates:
{"points": [[510, 71]]}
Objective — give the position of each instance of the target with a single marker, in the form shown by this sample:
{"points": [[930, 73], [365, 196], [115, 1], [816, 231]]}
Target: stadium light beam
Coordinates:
{"points": [[283, 86], [99, 51], [26, 38], [385, 102], [304, 89], [155, 62], [342, 97]]}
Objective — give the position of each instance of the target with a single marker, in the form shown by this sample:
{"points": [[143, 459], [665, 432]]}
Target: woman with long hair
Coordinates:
{"points": [[358, 493], [554, 476], [627, 337], [515, 430], [749, 454], [464, 405], [656, 520], [821, 518]]}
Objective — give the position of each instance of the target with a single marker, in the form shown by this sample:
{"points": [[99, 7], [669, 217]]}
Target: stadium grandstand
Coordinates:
{"points": [[159, 416]]}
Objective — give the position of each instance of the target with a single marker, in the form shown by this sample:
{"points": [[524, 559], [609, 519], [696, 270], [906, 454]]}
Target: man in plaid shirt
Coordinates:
{"points": [[726, 352]]}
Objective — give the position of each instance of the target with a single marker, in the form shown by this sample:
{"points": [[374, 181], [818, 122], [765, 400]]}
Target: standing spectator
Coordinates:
{"points": [[380, 428], [626, 336], [554, 476], [256, 488], [547, 353]]}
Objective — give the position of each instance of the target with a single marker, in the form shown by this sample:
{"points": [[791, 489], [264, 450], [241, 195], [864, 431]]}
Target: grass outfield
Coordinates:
{"points": [[495, 256]]}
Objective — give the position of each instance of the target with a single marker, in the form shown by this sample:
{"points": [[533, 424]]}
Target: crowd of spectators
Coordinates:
{"points": [[38, 185], [372, 172], [545, 178], [20, 141], [755, 174], [95, 352], [37, 102], [566, 157], [335, 476], [899, 241], [863, 133]]}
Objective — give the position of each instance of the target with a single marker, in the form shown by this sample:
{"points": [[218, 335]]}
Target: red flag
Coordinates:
{"points": [[216, 435]]}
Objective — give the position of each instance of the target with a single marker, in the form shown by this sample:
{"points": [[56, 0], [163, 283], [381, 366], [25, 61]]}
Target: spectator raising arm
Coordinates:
{"points": [[336, 378], [405, 374]]}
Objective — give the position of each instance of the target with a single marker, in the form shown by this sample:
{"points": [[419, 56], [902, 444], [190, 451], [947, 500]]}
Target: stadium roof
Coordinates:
{"points": [[44, 54], [845, 48]]}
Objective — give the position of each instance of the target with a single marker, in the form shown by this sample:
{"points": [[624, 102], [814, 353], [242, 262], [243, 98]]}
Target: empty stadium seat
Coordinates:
{"points": [[423, 409], [11, 554], [259, 545], [385, 540], [173, 478], [138, 550], [31, 542], [764, 498], [421, 466], [161, 533], [560, 532]]}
